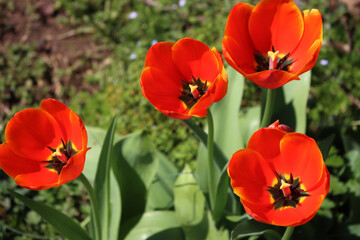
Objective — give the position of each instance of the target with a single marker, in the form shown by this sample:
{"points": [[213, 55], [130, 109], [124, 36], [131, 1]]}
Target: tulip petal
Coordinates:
{"points": [[161, 91], [300, 156], [69, 122], [237, 41], [306, 52], [276, 23], [200, 108], [240, 58], [43, 179], [194, 59], [271, 78], [250, 175], [73, 168], [218, 87], [29, 133], [13, 164], [266, 142], [160, 56]]}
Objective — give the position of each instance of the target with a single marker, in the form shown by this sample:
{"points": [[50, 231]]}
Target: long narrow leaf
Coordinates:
{"points": [[221, 195], [219, 156], [64, 224], [102, 180]]}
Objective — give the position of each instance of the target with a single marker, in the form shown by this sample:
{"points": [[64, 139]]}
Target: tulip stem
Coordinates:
{"points": [[288, 232], [210, 147], [269, 107], [94, 205]]}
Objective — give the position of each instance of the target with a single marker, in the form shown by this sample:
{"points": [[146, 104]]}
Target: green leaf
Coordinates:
{"points": [[189, 201], [96, 138], [219, 156], [252, 228], [325, 145], [134, 165], [64, 224], [249, 121], [161, 191], [221, 195], [226, 115], [152, 223], [102, 180], [291, 102]]}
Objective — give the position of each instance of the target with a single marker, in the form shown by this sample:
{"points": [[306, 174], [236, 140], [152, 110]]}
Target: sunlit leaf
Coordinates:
{"points": [[64, 224]]}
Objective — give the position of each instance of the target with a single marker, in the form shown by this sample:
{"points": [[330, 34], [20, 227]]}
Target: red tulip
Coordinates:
{"points": [[182, 79], [273, 42], [44, 147], [280, 177]]}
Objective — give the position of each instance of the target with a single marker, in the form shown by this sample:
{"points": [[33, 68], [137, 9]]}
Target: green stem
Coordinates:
{"points": [[210, 147], [269, 107], [94, 205], [288, 232]]}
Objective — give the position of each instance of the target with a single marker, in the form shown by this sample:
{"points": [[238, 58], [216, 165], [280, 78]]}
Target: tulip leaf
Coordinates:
{"points": [[291, 102], [161, 193], [249, 120], [64, 224], [189, 201], [227, 132], [134, 165], [96, 138], [102, 180], [250, 228], [220, 158], [325, 145], [221, 195], [152, 223]]}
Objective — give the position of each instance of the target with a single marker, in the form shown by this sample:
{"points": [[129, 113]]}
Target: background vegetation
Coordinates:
{"points": [[90, 54]]}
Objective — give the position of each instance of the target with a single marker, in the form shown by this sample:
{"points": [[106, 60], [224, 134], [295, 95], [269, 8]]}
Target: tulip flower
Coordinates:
{"points": [[280, 177], [182, 79], [44, 147], [273, 42]]}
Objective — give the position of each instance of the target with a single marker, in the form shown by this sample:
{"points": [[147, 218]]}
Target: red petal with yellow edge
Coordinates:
{"points": [[194, 59], [240, 59], [276, 23], [219, 86], [13, 164], [250, 175], [300, 156], [43, 179], [307, 50], [237, 41], [161, 91], [200, 108], [70, 123], [290, 216], [271, 78], [29, 133], [73, 168], [160, 57], [266, 141]]}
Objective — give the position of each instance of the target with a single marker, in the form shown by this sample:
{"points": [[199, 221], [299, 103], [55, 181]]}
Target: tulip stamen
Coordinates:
{"points": [[60, 156], [272, 61], [286, 192], [192, 91]]}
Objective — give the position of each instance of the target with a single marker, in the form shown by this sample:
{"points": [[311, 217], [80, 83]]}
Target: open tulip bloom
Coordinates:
{"points": [[182, 79], [44, 147], [273, 42], [280, 177]]}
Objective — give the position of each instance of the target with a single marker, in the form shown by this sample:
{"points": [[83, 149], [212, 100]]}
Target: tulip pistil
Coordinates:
{"points": [[60, 156], [272, 61], [286, 192], [193, 91]]}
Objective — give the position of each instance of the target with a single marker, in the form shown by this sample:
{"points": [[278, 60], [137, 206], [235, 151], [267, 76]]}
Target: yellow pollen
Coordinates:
{"points": [[57, 153], [193, 87], [285, 187], [273, 59]]}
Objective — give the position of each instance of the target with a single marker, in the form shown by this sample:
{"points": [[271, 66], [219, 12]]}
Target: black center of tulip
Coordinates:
{"points": [[286, 192], [272, 61], [192, 91]]}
